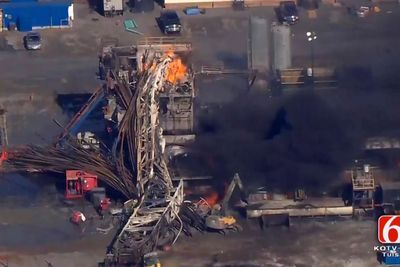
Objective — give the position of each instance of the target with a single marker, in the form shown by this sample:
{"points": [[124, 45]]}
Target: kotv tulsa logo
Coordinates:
{"points": [[389, 229], [389, 237]]}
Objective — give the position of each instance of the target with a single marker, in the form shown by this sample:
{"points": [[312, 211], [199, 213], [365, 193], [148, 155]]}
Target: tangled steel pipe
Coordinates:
{"points": [[72, 156], [117, 169], [135, 158]]}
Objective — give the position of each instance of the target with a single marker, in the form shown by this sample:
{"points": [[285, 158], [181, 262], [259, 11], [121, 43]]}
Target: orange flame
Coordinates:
{"points": [[212, 199], [176, 71], [170, 53]]}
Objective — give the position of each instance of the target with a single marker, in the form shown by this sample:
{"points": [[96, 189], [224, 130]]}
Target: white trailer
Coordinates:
{"points": [[113, 7]]}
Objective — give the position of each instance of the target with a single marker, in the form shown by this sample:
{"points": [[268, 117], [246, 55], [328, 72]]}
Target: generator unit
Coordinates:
{"points": [[111, 8]]}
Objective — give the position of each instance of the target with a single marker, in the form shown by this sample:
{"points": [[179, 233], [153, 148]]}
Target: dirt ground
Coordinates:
{"points": [[306, 243], [326, 243]]}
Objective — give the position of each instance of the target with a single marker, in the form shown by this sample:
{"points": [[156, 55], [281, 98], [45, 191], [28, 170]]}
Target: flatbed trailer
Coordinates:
{"points": [[311, 207]]}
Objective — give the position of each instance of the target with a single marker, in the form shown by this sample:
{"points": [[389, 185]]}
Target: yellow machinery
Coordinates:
{"points": [[219, 220], [222, 223], [151, 260]]}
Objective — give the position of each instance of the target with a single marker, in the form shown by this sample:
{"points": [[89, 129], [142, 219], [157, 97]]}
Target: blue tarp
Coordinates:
{"points": [[192, 11]]}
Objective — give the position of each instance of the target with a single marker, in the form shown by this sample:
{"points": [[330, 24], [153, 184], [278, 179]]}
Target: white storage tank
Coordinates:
{"points": [[281, 47]]}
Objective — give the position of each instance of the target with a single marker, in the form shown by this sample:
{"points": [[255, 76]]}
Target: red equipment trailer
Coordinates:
{"points": [[78, 183]]}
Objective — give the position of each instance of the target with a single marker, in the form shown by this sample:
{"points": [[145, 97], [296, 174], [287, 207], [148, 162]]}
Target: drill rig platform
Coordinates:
{"points": [[160, 106]]}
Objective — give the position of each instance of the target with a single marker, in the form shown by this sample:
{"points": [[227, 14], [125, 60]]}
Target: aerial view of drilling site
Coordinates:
{"points": [[199, 133]]}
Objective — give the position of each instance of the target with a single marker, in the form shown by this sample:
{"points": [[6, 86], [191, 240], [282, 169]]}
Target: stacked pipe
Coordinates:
{"points": [[111, 169], [72, 156]]}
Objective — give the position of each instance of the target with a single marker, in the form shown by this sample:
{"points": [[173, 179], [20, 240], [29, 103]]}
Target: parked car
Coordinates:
{"points": [[33, 41], [169, 22], [363, 11], [288, 12]]}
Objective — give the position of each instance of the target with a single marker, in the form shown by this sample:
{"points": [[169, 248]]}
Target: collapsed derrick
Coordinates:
{"points": [[133, 163], [157, 217]]}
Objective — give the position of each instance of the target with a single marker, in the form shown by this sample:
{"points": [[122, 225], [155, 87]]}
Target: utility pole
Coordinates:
{"points": [[311, 37]]}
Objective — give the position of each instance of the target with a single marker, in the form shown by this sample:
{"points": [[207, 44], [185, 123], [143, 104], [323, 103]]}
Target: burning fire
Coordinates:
{"points": [[176, 71], [212, 199]]}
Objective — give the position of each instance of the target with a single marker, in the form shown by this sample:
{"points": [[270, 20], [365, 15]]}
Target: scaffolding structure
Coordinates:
{"points": [[157, 216], [363, 183]]}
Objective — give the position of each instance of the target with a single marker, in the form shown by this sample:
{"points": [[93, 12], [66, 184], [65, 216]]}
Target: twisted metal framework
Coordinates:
{"points": [[148, 135], [160, 214], [160, 202]]}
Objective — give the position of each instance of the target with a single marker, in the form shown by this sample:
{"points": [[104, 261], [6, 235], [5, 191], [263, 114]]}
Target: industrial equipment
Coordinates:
{"points": [[111, 8], [105, 55], [177, 96], [219, 218], [77, 120], [300, 195], [363, 183], [280, 207], [382, 143], [274, 208], [259, 59], [99, 199], [282, 45], [176, 100], [258, 55], [292, 79], [78, 183], [151, 260], [311, 207], [387, 197], [88, 140], [156, 218], [236, 182], [222, 224]]}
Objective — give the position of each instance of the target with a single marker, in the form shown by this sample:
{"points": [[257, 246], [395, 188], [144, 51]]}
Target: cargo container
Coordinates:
{"points": [[112, 7], [36, 15]]}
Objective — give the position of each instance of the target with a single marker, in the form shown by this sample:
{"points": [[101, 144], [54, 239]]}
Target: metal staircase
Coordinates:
{"points": [[363, 183]]}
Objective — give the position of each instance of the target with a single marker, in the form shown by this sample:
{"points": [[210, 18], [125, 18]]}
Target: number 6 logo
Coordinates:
{"points": [[389, 229]]}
